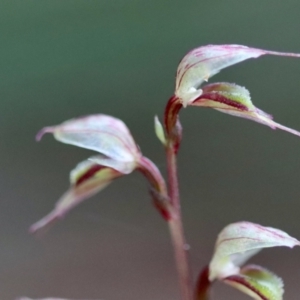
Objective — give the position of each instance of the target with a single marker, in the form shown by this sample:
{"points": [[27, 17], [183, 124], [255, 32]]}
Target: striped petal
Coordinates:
{"points": [[237, 242], [104, 134], [202, 63]]}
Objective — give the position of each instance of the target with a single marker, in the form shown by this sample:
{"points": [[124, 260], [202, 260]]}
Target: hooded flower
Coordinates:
{"points": [[237, 243], [202, 63], [118, 155]]}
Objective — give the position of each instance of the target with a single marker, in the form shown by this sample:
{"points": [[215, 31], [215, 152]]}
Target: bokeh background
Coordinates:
{"points": [[63, 59]]}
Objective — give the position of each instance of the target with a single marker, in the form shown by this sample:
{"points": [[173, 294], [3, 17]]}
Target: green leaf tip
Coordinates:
{"points": [[159, 130]]}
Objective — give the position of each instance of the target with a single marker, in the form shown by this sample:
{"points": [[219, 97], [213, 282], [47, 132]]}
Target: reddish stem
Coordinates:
{"points": [[158, 188], [172, 124], [203, 285], [152, 173], [176, 227]]}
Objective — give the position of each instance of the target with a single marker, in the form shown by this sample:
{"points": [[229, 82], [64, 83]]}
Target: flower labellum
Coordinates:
{"points": [[235, 100], [238, 242]]}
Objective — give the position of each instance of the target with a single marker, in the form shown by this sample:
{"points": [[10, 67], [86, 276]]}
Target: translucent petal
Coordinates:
{"points": [[201, 63], [86, 179], [235, 100], [260, 117], [101, 133], [124, 167], [237, 242]]}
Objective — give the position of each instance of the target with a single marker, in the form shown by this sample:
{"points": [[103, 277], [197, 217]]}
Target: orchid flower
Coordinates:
{"points": [[237, 243], [119, 155], [202, 63]]}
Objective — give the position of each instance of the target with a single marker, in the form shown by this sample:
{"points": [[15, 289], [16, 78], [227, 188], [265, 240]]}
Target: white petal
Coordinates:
{"points": [[101, 133], [124, 167], [237, 242]]}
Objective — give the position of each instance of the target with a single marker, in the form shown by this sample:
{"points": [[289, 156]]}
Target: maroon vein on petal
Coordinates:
{"points": [[242, 281], [88, 174], [215, 96], [51, 129]]}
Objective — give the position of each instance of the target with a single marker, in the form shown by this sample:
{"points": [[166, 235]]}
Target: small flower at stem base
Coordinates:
{"points": [[238, 242]]}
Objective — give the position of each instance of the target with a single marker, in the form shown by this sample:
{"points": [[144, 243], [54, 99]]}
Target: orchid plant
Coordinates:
{"points": [[118, 154]]}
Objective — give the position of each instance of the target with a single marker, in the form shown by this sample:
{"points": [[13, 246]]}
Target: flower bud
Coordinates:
{"points": [[159, 131]]}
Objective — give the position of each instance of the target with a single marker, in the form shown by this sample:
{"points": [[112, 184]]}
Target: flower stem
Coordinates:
{"points": [[176, 227]]}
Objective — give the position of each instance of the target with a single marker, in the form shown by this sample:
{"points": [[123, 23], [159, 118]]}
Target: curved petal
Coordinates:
{"points": [[87, 179], [237, 242], [235, 100], [101, 133], [124, 167]]}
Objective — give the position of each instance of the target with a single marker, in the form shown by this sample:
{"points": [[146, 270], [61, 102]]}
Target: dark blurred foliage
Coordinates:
{"points": [[62, 59]]}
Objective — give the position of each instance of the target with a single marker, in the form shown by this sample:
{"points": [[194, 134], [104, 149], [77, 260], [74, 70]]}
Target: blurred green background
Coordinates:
{"points": [[62, 59]]}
